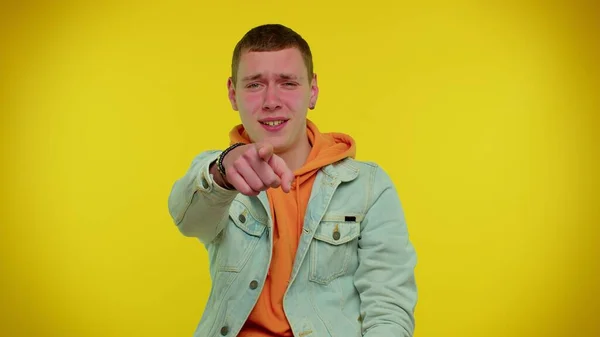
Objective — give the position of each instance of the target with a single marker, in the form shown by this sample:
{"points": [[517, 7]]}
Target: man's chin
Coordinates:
{"points": [[273, 140]]}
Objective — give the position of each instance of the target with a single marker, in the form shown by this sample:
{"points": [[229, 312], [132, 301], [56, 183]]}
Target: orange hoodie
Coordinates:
{"points": [[268, 319]]}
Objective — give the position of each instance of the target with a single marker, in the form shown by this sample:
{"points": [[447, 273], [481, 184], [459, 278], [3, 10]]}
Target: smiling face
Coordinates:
{"points": [[272, 95]]}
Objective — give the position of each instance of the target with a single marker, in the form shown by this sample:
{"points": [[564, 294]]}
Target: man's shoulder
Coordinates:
{"points": [[365, 180]]}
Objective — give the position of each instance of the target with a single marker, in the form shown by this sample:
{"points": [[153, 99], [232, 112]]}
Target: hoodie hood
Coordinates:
{"points": [[327, 148]]}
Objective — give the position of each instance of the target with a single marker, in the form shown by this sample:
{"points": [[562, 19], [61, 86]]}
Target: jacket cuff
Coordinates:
{"points": [[205, 182]]}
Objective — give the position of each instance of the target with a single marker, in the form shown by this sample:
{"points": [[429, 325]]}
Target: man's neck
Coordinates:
{"points": [[296, 157]]}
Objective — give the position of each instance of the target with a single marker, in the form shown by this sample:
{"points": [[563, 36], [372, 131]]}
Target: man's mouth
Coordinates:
{"points": [[273, 123]]}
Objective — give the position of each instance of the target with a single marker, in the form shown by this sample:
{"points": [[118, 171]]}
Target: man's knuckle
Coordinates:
{"points": [[239, 163]]}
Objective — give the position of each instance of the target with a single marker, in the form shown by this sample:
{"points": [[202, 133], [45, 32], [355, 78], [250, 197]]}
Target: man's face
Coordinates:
{"points": [[272, 95]]}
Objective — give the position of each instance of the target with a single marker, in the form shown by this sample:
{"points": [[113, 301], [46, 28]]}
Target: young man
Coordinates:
{"points": [[303, 239]]}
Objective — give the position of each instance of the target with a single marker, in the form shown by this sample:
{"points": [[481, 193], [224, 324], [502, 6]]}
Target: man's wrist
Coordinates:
{"points": [[221, 157], [218, 177]]}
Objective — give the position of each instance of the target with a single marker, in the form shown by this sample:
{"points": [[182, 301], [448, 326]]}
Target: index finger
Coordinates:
{"points": [[265, 151], [283, 171]]}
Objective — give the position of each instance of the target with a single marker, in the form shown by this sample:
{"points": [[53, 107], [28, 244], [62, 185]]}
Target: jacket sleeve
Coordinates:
{"points": [[199, 206], [385, 277]]}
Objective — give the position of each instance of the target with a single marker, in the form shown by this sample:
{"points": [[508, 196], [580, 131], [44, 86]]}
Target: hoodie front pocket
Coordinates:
{"points": [[332, 250]]}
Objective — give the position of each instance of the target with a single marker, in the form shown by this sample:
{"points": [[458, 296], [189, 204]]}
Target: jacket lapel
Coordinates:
{"points": [[326, 183]]}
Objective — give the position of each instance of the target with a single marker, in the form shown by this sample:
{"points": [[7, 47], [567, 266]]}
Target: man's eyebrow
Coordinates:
{"points": [[284, 76], [288, 76], [252, 77]]}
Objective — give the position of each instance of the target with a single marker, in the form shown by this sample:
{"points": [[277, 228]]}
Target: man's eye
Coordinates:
{"points": [[290, 84], [252, 86]]}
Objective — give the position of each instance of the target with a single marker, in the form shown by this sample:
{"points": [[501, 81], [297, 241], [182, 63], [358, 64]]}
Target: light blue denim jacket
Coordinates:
{"points": [[354, 269]]}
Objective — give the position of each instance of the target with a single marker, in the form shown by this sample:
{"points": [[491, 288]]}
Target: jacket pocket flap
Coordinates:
{"points": [[337, 232], [244, 220]]}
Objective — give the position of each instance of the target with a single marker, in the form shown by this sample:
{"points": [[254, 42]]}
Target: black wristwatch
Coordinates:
{"points": [[220, 167]]}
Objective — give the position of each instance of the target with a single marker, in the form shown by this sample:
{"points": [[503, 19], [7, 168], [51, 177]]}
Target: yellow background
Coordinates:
{"points": [[484, 115]]}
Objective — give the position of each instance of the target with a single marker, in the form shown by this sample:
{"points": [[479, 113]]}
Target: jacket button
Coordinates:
{"points": [[242, 218], [224, 331], [253, 284], [336, 235]]}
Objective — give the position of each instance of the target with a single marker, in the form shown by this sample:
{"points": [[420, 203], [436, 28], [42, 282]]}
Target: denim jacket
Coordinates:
{"points": [[354, 269]]}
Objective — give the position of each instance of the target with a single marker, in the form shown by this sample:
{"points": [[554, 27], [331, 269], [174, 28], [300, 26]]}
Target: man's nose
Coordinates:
{"points": [[271, 101]]}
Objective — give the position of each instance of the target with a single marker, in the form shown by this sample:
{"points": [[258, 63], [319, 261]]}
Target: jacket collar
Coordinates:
{"points": [[344, 170], [332, 175]]}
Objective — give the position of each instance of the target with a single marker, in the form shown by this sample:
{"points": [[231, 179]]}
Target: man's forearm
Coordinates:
{"points": [[218, 177], [198, 203]]}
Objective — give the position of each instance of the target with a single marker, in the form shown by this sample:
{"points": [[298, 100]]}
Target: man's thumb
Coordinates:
{"points": [[265, 151]]}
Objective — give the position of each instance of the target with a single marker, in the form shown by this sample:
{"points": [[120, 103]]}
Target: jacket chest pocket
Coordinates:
{"points": [[238, 240], [332, 250]]}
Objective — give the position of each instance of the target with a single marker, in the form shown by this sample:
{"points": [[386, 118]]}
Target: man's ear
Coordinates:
{"points": [[314, 92], [231, 94]]}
